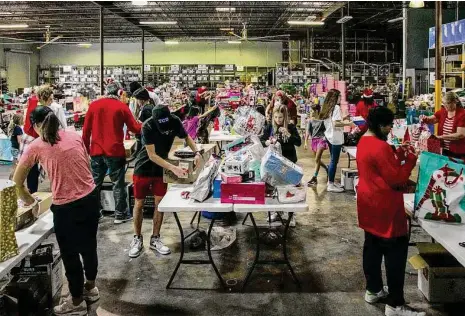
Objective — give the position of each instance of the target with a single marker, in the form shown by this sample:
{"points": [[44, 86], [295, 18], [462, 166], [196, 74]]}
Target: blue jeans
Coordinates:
{"points": [[335, 151], [117, 169]]}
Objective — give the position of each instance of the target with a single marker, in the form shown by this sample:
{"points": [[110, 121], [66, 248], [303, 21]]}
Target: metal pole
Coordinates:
{"points": [[343, 48], [308, 45], [101, 51], [438, 47], [143, 57], [404, 50]]}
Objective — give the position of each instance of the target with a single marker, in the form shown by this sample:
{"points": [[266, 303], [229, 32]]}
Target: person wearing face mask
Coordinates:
{"points": [[383, 176], [281, 97], [451, 128], [364, 105]]}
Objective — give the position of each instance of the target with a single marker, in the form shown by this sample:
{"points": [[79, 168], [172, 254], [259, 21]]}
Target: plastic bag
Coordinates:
{"points": [[250, 124], [203, 184], [291, 194]]}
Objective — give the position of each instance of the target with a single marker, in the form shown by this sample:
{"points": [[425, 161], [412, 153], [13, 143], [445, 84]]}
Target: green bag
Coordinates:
{"points": [[8, 209], [440, 192]]}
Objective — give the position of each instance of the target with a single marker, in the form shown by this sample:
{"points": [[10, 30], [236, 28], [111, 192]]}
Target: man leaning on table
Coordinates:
{"points": [[158, 133]]}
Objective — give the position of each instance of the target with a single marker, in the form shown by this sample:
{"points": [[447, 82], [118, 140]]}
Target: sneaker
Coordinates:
{"points": [[333, 188], [372, 298], [157, 244], [69, 309], [91, 296], [339, 185], [121, 220], [403, 310], [137, 245], [313, 182], [292, 222]]}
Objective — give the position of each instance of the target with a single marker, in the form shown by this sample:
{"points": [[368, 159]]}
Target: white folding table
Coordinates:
{"points": [[448, 235], [221, 137], [173, 202], [351, 152], [28, 239], [271, 205]]}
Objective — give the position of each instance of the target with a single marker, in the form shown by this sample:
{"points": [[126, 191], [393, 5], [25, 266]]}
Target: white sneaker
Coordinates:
{"points": [[157, 244], [372, 298], [402, 311], [333, 188], [137, 245], [292, 222], [69, 309], [91, 295], [339, 185]]}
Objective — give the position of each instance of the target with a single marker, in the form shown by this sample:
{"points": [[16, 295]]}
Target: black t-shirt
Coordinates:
{"points": [[14, 140], [163, 143]]}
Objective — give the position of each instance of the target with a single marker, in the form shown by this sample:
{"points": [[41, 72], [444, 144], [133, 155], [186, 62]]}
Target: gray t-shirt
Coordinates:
{"points": [[317, 128]]}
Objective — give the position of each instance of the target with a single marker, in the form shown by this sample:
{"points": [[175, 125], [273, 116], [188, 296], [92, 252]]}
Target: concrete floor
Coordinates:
{"points": [[325, 250]]}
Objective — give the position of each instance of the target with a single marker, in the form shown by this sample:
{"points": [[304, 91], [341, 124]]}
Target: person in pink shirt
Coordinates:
{"points": [[75, 205]]}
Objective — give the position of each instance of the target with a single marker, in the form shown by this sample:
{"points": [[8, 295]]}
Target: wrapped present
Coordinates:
{"points": [[231, 178], [8, 209], [243, 193], [425, 135], [237, 164], [291, 194], [250, 124], [276, 169]]}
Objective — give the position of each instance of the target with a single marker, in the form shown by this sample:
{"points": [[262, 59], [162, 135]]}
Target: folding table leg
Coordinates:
{"points": [[257, 251], [286, 259], [182, 251], [245, 218], [348, 156], [193, 218], [223, 284]]}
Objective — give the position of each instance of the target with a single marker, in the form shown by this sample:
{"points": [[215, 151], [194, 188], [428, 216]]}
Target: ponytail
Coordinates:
{"points": [[50, 127]]}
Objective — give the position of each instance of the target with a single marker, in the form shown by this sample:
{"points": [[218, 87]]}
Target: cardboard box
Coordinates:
{"points": [[236, 165], [347, 178], [441, 278], [188, 164], [243, 193], [231, 178], [24, 216]]}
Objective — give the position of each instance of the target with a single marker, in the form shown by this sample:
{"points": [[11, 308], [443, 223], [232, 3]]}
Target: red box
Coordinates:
{"points": [[243, 193], [231, 178]]}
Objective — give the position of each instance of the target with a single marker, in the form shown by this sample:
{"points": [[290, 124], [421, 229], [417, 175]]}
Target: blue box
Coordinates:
{"points": [[282, 169], [217, 187]]}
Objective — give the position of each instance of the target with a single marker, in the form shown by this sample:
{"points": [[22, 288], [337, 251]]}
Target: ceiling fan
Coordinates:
{"points": [[243, 35], [48, 39]]}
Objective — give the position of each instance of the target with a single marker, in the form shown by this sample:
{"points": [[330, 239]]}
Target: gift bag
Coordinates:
{"points": [[204, 182], [291, 194], [8, 209], [440, 191], [425, 134], [434, 145], [250, 124]]}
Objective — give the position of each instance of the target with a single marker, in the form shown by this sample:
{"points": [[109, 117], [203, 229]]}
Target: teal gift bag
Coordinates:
{"points": [[440, 192]]}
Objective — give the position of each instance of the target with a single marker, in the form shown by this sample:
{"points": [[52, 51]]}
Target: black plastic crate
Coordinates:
{"points": [[149, 204]]}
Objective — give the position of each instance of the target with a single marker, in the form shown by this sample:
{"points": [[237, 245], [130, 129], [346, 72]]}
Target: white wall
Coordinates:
{"points": [[245, 54], [22, 71]]}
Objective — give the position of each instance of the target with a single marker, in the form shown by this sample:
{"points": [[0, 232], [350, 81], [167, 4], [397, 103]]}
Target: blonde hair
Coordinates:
{"points": [[452, 97], [16, 120], [281, 108], [330, 102], [44, 94]]}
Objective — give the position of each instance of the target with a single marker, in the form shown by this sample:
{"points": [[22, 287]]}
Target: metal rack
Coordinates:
{"points": [[452, 72]]}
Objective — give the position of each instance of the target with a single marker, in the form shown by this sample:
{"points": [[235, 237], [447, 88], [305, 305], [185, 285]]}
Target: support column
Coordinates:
{"points": [[308, 45], [143, 57], [343, 48], [404, 50], [101, 52], [438, 49]]}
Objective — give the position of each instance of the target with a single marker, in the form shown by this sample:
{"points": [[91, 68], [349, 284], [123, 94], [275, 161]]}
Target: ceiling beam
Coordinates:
{"points": [[127, 16]]}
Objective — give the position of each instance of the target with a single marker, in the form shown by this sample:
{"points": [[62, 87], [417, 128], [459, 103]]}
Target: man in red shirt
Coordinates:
{"points": [[34, 174], [104, 140]]}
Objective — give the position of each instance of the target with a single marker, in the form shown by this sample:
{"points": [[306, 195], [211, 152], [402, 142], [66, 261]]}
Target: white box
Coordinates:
{"points": [[347, 178], [236, 165]]}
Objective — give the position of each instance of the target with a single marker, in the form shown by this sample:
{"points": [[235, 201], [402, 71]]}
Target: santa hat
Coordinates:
{"points": [[367, 93]]}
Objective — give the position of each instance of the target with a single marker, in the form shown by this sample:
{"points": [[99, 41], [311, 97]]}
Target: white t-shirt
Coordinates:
{"points": [[154, 97], [334, 135], [60, 113]]}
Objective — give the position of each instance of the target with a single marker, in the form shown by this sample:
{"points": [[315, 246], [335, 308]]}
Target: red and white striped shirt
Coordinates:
{"points": [[447, 130]]}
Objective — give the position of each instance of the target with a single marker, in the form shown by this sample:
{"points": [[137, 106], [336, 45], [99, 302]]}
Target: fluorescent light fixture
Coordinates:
{"points": [[13, 26], [228, 29], [396, 20], [234, 42], [139, 2], [344, 19], [171, 42], [312, 23], [225, 9], [416, 4], [85, 45], [158, 22]]}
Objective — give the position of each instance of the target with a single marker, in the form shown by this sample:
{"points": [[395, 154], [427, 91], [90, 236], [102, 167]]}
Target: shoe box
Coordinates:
{"points": [[24, 215], [441, 278], [45, 264]]}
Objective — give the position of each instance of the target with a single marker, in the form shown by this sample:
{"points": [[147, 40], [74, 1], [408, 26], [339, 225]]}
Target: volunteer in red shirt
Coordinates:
{"points": [[364, 105], [202, 97], [103, 137], [451, 129], [383, 173], [32, 180], [75, 204], [282, 98]]}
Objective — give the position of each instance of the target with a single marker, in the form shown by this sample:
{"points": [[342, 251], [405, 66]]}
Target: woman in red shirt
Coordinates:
{"points": [[381, 213], [364, 106], [451, 129], [75, 204]]}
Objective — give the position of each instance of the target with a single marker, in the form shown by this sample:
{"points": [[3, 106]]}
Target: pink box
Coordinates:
{"points": [[231, 178], [243, 193]]}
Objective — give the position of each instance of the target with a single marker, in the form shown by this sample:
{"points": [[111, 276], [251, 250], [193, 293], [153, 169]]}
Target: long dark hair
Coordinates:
{"points": [[330, 102], [193, 111], [49, 124], [379, 117]]}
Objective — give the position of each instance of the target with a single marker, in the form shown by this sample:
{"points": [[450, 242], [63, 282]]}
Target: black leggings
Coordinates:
{"points": [[394, 251], [76, 226], [33, 179]]}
